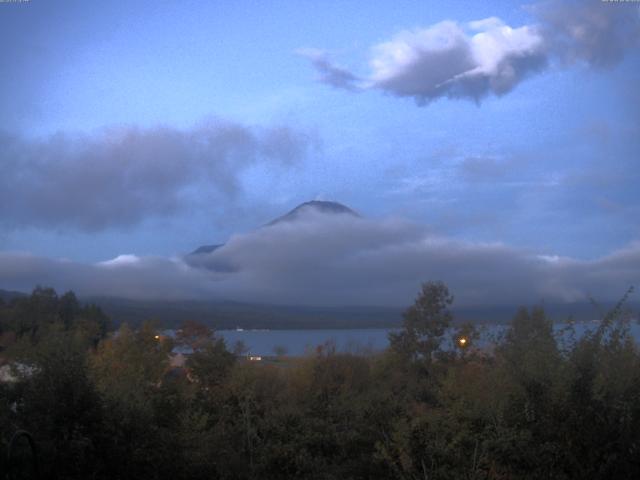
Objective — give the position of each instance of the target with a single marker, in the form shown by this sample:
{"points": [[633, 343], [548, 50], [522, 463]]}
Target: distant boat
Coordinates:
{"points": [[238, 329]]}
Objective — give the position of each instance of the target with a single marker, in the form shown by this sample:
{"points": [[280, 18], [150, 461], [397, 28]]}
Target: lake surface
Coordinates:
{"points": [[300, 342]]}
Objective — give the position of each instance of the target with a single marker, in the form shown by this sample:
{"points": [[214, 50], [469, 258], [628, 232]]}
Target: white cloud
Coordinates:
{"points": [[488, 56], [445, 61], [120, 260]]}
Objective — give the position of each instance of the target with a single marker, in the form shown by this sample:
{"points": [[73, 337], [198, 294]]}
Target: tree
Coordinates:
{"points": [[211, 364], [240, 348], [194, 335], [68, 309], [128, 369], [61, 407], [34, 314], [280, 351], [129, 365], [425, 323]]}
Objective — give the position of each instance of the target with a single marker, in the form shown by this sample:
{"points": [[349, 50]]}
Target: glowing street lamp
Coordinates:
{"points": [[462, 342]]}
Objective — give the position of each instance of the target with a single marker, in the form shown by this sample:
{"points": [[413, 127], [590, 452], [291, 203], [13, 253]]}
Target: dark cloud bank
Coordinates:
{"points": [[485, 57], [329, 259], [119, 176]]}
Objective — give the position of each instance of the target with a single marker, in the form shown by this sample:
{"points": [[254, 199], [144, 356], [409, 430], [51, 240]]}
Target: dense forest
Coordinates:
{"points": [[104, 404]]}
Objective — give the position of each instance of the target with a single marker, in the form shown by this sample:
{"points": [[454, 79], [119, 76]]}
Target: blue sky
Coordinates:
{"points": [[546, 164]]}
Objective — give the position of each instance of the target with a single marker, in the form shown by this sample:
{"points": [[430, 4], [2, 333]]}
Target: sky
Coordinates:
{"points": [[494, 145]]}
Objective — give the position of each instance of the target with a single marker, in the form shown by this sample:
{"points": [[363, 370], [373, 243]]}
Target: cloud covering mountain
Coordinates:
{"points": [[338, 259]]}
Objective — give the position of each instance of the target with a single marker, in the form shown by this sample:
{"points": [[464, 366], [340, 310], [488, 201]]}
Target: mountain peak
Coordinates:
{"points": [[321, 206], [318, 206]]}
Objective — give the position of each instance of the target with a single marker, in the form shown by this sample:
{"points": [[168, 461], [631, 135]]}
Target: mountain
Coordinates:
{"points": [[230, 315], [8, 295], [314, 206], [206, 249]]}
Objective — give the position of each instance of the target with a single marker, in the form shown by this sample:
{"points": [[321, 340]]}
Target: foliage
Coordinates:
{"points": [[425, 323], [541, 403]]}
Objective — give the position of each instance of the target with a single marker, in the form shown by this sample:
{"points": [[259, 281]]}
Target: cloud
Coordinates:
{"points": [[329, 73], [126, 276], [488, 57], [444, 61], [120, 176], [339, 260], [598, 33]]}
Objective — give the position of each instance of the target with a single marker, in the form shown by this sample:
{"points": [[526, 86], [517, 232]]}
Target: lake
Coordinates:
{"points": [[299, 342]]}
